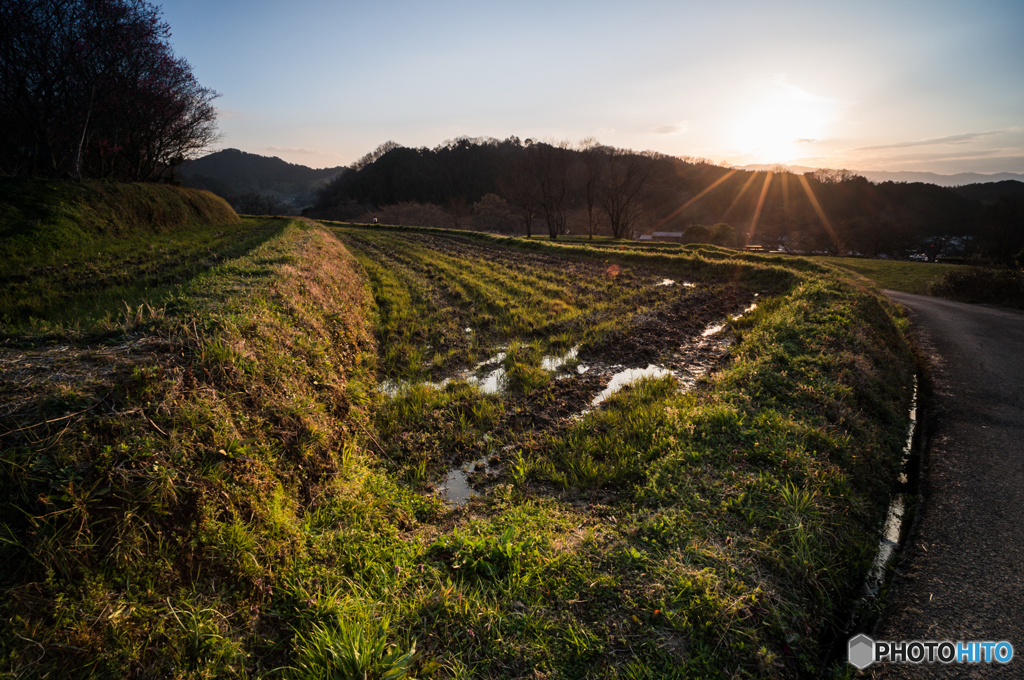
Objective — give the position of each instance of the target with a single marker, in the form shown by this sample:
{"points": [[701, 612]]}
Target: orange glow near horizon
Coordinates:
{"points": [[736, 200], [785, 192], [817, 208], [760, 206], [696, 198]]}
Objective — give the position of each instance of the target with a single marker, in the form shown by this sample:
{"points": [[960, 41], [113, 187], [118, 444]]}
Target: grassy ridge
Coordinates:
{"points": [[77, 251], [47, 214], [152, 511], [221, 491]]}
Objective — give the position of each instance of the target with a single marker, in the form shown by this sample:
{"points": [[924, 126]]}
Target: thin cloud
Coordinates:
{"points": [[951, 139], [301, 150], [227, 113], [669, 129], [805, 141], [605, 131], [981, 153]]}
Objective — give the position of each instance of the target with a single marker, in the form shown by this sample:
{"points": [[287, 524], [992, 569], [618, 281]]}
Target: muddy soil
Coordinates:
{"points": [[660, 324]]}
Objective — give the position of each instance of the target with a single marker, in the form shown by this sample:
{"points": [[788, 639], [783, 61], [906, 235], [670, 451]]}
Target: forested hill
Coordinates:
{"points": [[233, 172], [524, 186], [991, 192]]}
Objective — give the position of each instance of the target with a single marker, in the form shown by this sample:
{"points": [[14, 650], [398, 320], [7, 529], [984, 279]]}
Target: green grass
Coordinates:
{"points": [[76, 253], [38, 214], [429, 292], [223, 491], [104, 280], [907, 277]]}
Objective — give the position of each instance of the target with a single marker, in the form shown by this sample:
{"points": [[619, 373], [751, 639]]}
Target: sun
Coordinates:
{"points": [[778, 126]]}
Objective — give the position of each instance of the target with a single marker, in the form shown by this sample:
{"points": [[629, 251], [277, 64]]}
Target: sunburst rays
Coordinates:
{"points": [[762, 201]]}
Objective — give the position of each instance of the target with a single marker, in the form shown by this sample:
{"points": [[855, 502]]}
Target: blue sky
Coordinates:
{"points": [[897, 85]]}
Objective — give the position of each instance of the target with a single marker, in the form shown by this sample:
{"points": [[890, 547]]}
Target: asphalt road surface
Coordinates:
{"points": [[961, 574]]}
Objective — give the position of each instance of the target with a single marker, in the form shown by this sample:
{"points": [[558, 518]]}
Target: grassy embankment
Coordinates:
{"points": [[228, 495], [908, 277], [964, 283], [76, 253]]}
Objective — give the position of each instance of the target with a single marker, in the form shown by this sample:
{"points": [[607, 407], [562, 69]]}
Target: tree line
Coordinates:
{"points": [[92, 88], [553, 187]]}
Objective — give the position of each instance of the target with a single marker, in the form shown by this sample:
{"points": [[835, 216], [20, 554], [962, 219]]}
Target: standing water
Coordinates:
{"points": [[894, 519]]}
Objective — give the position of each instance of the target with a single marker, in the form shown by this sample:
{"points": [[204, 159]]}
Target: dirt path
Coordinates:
{"points": [[961, 576]]}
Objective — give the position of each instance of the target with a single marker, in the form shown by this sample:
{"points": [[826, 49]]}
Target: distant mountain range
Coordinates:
{"points": [[232, 173], [878, 176]]}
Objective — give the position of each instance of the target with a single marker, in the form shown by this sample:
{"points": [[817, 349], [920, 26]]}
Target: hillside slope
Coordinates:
{"points": [[239, 172], [89, 248], [37, 213]]}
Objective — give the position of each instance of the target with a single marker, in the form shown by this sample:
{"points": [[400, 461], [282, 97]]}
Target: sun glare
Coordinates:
{"points": [[779, 126]]}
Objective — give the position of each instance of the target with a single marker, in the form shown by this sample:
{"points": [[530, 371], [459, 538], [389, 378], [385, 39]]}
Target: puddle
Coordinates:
{"points": [[628, 376], [894, 518], [715, 329], [496, 359], [491, 384], [693, 360], [393, 388], [696, 359], [455, 486], [671, 282], [553, 363]]}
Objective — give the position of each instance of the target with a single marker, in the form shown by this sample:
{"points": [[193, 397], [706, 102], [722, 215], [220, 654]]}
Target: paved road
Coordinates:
{"points": [[961, 576]]}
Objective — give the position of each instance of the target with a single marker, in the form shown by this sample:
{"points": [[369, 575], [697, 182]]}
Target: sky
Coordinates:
{"points": [[894, 85]]}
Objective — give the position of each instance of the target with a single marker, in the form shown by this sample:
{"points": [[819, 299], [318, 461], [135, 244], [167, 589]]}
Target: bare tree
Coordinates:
{"points": [[833, 176], [457, 211], [94, 88], [591, 157], [372, 156], [517, 183], [621, 194], [549, 167]]}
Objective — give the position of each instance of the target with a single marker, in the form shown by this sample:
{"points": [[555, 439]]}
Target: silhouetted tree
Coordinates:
{"points": [[93, 87], [1003, 228], [256, 203], [827, 210], [517, 183], [549, 170], [832, 176], [491, 213], [621, 195], [590, 165], [457, 211]]}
